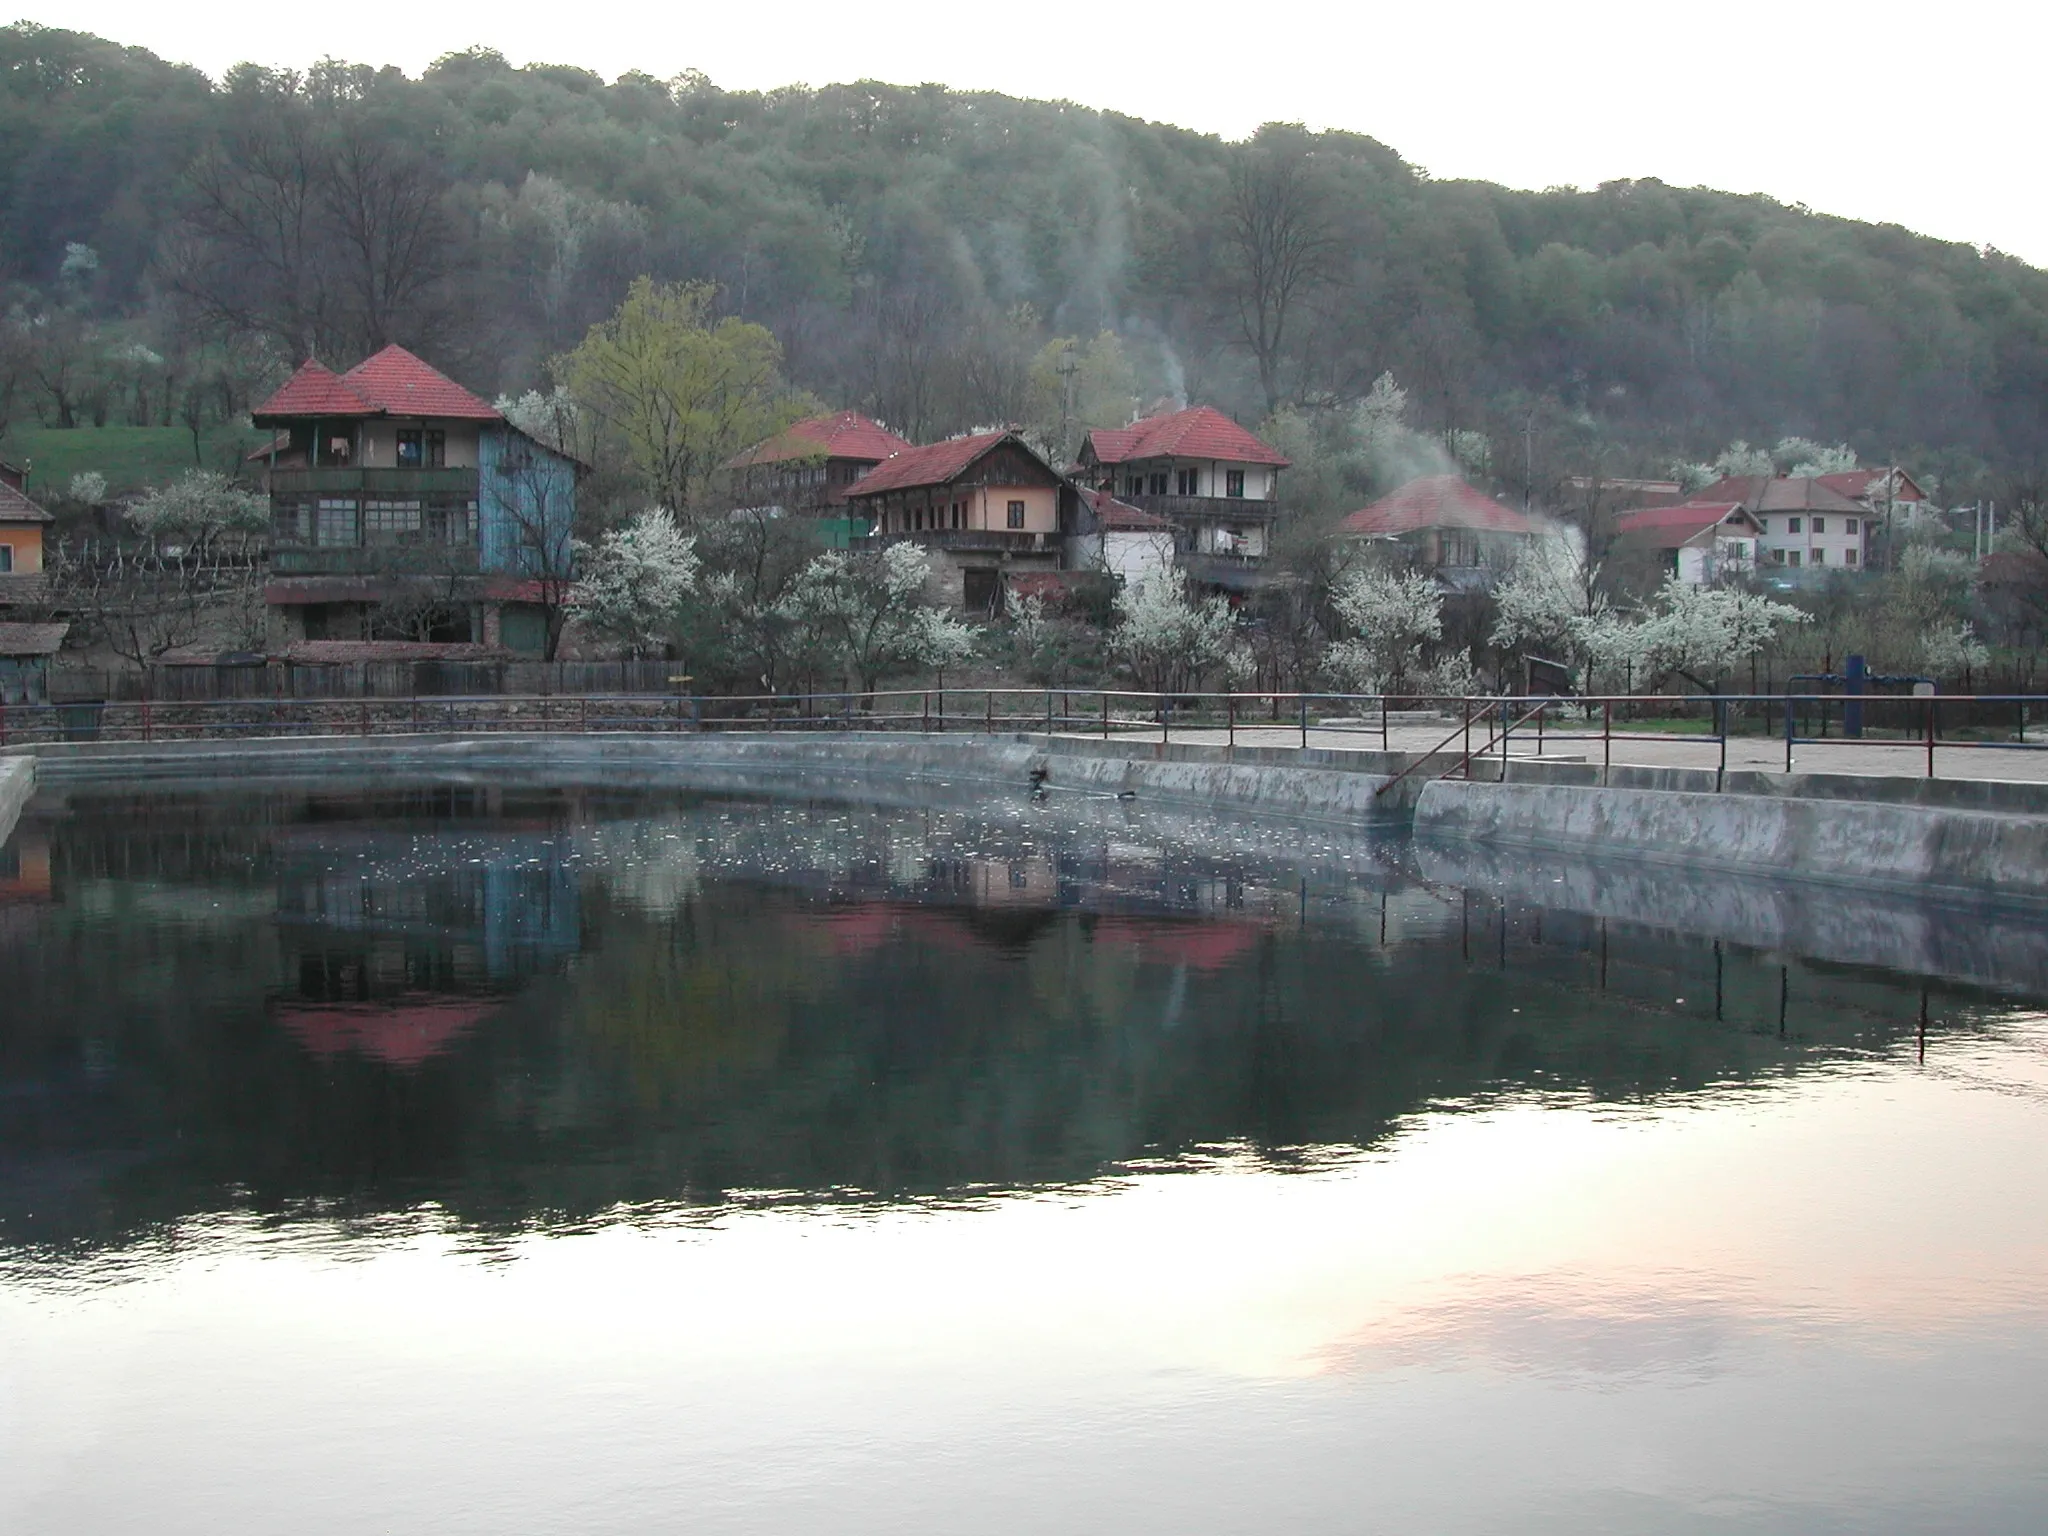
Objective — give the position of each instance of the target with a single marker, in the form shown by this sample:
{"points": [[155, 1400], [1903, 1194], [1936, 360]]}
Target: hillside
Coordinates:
{"points": [[914, 248]]}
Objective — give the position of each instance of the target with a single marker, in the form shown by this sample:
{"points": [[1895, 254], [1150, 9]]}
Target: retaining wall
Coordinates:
{"points": [[1899, 846], [17, 785]]}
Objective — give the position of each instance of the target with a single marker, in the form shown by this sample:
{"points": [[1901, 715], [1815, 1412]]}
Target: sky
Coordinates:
{"points": [[1915, 114]]}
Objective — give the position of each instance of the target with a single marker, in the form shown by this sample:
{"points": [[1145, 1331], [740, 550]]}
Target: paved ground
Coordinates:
{"points": [[1656, 751]]}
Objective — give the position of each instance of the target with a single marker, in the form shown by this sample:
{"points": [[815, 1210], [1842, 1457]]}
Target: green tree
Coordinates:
{"points": [[678, 391]]}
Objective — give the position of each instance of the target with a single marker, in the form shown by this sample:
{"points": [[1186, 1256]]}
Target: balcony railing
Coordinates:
{"points": [[372, 559], [1010, 540], [398, 483], [1206, 509]]}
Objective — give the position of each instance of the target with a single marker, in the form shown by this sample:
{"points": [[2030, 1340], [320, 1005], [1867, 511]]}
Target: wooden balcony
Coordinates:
{"points": [[997, 540], [373, 559], [397, 484], [1206, 509]]}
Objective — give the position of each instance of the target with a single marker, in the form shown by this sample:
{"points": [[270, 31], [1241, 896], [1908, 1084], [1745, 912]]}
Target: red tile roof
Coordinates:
{"points": [[404, 1032], [400, 384], [1121, 517], [1780, 493], [1435, 501], [1858, 482], [343, 652], [393, 383], [1670, 527], [1200, 432], [17, 508], [844, 435], [315, 390], [936, 464], [32, 639]]}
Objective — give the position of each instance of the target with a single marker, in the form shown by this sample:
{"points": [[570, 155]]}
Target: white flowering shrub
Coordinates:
{"points": [[635, 581]]}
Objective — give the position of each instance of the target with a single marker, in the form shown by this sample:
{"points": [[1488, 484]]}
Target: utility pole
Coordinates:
{"points": [[1068, 365]]}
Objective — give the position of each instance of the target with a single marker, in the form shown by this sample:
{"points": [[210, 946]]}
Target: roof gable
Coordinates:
{"points": [[399, 384], [1435, 501], [1671, 527], [1200, 432], [15, 507], [1114, 516], [940, 464], [314, 390]]}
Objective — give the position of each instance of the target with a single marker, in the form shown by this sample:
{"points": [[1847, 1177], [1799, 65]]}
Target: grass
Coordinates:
{"points": [[132, 458]]}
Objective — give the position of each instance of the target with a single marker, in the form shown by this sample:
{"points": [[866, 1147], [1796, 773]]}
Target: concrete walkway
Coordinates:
{"points": [[1900, 759]]}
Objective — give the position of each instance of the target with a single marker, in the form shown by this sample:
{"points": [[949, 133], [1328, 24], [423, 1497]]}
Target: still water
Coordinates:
{"points": [[519, 1160]]}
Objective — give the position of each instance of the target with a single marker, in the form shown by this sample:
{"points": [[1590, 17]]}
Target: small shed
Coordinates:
{"points": [[25, 652]]}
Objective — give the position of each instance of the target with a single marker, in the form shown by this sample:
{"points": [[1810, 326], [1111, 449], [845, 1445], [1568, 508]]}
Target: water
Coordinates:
{"points": [[457, 1160]]}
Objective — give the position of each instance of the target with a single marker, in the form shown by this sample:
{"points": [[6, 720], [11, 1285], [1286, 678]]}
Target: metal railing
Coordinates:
{"points": [[1480, 728]]}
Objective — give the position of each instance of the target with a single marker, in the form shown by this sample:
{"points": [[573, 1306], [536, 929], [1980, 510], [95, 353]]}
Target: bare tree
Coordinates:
{"points": [[1283, 246]]}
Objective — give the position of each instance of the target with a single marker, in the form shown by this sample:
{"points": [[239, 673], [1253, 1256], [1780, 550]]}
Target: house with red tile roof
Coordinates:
{"points": [[809, 466], [1446, 526], [1121, 540], [1218, 483], [22, 522], [1807, 524], [986, 506], [404, 507], [1699, 542]]}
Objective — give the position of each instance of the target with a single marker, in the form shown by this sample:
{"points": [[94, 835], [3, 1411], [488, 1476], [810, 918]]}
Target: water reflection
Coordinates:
{"points": [[465, 1159], [538, 1006]]}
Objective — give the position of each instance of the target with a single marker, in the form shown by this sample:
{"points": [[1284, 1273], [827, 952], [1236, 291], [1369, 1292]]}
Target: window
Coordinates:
{"points": [[1134, 485], [1159, 483], [1233, 482], [337, 522], [1848, 525], [1187, 482], [1777, 557], [1791, 525], [391, 522], [1017, 513], [1820, 557], [290, 520], [6, 557], [1820, 525], [1792, 555], [1848, 557]]}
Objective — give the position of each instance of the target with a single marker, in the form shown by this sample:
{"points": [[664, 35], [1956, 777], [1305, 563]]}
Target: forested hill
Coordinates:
{"points": [[913, 247]]}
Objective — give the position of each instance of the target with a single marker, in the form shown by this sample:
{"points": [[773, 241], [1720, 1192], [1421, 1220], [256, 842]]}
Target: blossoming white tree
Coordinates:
{"points": [[1164, 639], [866, 611], [635, 580], [1699, 633], [1547, 598], [1954, 652], [1393, 617]]}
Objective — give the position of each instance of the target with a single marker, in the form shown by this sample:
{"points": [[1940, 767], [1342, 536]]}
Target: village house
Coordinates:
{"points": [[1215, 481], [808, 468], [1700, 543], [1807, 525], [401, 502], [21, 540], [26, 653], [1121, 540], [1465, 538], [1882, 493], [986, 507]]}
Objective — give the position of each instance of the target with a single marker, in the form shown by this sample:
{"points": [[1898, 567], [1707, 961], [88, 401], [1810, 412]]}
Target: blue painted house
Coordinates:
{"points": [[407, 511]]}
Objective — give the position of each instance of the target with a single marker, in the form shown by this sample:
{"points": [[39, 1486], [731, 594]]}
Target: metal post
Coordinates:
{"points": [[1230, 708], [1383, 723], [1048, 714], [1606, 738], [1791, 711], [1165, 720], [145, 720], [1304, 722], [1930, 738], [927, 709], [989, 695], [1721, 729], [1105, 714], [1467, 702], [366, 711], [585, 722]]}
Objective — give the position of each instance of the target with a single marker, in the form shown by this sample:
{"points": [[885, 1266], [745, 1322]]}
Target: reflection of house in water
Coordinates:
{"points": [[402, 944], [25, 883]]}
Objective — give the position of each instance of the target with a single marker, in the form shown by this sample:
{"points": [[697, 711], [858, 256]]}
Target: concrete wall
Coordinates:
{"points": [[1917, 848], [17, 784]]}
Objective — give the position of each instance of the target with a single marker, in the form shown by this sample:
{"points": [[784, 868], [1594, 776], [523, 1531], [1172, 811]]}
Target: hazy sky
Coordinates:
{"points": [[1921, 114]]}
